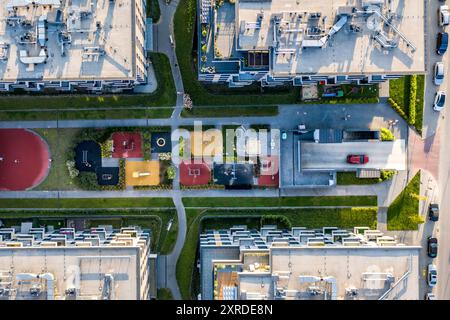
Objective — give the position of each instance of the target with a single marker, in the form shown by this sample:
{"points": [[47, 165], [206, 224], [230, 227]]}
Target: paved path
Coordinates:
{"points": [[172, 258]]}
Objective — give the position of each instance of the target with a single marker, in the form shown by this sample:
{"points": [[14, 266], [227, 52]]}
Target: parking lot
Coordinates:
{"points": [[332, 156]]}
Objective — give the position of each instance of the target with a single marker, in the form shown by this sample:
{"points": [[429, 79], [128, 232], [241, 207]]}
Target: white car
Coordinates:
{"points": [[444, 16], [439, 101], [432, 275], [439, 73]]}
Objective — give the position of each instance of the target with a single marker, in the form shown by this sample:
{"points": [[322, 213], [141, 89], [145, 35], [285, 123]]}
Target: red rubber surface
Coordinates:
{"points": [[25, 159], [191, 180], [121, 151]]}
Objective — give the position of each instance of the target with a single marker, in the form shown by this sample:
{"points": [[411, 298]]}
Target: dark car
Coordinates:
{"points": [[432, 247], [433, 212], [442, 43], [357, 159]]}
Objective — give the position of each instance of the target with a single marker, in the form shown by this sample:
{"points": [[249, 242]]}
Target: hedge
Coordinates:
{"points": [[281, 222], [397, 108], [412, 100]]}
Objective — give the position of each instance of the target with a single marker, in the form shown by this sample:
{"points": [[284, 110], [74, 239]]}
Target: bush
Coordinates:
{"points": [[386, 134], [106, 148], [387, 174], [73, 172], [146, 143], [171, 171], [397, 108], [412, 100], [282, 222], [87, 181]]}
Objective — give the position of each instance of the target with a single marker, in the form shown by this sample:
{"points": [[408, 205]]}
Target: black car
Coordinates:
{"points": [[432, 247], [442, 43], [433, 212]]}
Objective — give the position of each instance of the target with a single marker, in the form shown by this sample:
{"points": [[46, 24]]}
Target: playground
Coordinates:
{"points": [[194, 174], [88, 156], [269, 174], [142, 173], [24, 159], [127, 145], [160, 142]]}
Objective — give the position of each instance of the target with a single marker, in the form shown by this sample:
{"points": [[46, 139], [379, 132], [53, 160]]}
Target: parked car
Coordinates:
{"points": [[430, 296], [357, 159], [442, 43], [439, 72], [444, 16], [432, 275], [284, 135], [433, 212], [439, 101], [432, 247]]}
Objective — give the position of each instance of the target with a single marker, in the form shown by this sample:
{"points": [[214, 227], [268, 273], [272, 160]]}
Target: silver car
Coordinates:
{"points": [[438, 73], [432, 275], [439, 101]]}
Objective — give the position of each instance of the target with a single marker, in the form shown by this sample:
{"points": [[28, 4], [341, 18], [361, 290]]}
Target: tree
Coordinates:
{"points": [[187, 102]]}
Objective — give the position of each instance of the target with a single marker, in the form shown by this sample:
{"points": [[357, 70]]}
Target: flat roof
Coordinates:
{"points": [[365, 269], [333, 156], [101, 33], [64, 262], [345, 47]]}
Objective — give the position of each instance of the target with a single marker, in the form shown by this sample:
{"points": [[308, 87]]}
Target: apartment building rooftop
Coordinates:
{"points": [[328, 263], [337, 37], [54, 40], [99, 263]]}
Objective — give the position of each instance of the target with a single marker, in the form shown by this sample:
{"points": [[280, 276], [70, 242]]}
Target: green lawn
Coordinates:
{"points": [[88, 203], [310, 218], [28, 106], [403, 213], [281, 201], [60, 142], [228, 111], [399, 92], [155, 220], [153, 10], [349, 178]]}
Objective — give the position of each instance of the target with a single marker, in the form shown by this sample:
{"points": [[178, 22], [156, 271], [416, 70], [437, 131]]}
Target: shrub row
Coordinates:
{"points": [[281, 222], [412, 100], [397, 108]]}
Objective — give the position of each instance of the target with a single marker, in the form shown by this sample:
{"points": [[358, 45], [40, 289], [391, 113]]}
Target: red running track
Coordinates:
{"points": [[24, 159]]}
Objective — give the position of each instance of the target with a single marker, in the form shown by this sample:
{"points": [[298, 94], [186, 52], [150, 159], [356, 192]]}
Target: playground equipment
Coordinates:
{"points": [[194, 172], [85, 157], [161, 142], [138, 174]]}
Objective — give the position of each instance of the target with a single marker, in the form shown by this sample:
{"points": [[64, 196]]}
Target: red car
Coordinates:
{"points": [[357, 159]]}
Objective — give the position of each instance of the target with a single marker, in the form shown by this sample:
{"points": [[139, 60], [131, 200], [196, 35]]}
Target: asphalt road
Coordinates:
{"points": [[438, 123]]}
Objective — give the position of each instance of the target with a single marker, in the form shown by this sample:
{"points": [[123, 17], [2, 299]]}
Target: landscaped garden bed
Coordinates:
{"points": [[403, 213], [406, 96]]}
